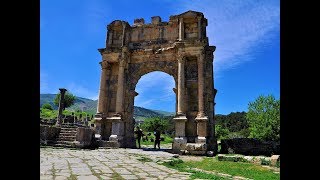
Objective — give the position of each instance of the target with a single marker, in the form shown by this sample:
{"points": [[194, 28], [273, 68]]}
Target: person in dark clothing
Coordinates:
{"points": [[157, 139], [139, 134]]}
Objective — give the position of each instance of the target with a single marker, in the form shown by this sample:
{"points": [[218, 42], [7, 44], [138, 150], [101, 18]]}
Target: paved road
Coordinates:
{"points": [[120, 163]]}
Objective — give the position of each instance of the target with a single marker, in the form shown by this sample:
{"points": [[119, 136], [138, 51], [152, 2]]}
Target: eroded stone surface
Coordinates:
{"points": [[105, 164]]}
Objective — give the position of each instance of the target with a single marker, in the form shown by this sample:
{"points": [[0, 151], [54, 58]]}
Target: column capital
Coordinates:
{"points": [[181, 58], [201, 53], [62, 90], [105, 65]]}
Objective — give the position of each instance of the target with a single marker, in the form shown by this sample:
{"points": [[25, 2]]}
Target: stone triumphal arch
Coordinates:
{"points": [[179, 48]]}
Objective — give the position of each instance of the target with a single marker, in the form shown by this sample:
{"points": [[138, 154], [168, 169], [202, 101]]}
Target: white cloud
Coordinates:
{"points": [[153, 80], [236, 28]]}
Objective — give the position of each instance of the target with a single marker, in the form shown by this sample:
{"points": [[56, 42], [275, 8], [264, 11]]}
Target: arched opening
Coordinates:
{"points": [[156, 101]]}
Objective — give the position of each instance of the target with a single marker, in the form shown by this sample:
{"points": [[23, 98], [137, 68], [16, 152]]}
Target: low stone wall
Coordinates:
{"points": [[261, 160], [48, 134], [84, 137], [249, 146]]}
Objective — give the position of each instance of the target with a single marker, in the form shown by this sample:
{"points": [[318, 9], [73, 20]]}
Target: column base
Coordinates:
{"points": [[201, 117], [196, 148], [117, 133], [180, 126], [115, 138], [200, 139], [179, 143]]}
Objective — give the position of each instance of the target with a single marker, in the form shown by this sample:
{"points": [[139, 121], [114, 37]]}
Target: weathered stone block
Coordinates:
{"points": [[155, 19], [274, 159]]}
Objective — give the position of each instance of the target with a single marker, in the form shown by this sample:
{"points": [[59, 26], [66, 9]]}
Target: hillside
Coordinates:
{"points": [[90, 106]]}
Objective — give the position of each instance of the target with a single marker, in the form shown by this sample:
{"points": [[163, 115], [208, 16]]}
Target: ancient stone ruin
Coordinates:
{"points": [[179, 48]]}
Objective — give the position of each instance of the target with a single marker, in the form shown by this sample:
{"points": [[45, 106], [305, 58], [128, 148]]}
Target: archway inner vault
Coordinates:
{"points": [[179, 48]]}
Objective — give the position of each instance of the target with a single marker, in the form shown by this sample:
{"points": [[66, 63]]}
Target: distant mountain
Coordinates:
{"points": [[90, 106], [164, 113], [87, 105]]}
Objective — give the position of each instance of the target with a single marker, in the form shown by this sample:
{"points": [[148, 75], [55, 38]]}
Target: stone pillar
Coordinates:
{"points": [[201, 119], [181, 86], [119, 100], [110, 37], [180, 141], [200, 85], [181, 29], [103, 88], [123, 33], [199, 28], [61, 106], [117, 131]]}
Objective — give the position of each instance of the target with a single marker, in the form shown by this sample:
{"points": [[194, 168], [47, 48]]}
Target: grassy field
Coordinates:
{"points": [[247, 170]]}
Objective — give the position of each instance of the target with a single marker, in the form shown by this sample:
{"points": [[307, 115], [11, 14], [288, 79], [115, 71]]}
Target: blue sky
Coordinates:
{"points": [[246, 34]]}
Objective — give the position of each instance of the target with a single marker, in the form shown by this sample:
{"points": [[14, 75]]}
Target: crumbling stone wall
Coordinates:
{"points": [[249, 146], [48, 134]]}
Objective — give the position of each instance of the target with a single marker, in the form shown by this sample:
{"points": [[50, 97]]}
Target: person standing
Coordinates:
{"points": [[139, 134], [157, 139]]}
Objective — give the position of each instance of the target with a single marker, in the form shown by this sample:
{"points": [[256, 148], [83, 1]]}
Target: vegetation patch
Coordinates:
{"points": [[116, 176], [265, 162], [242, 169], [144, 159]]}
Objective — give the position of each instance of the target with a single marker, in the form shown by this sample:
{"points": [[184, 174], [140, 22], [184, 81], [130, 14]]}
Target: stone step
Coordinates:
{"points": [[65, 142], [63, 145], [64, 128], [66, 139], [68, 133]]}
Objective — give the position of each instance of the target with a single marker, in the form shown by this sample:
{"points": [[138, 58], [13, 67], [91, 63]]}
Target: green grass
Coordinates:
{"points": [[179, 165], [116, 176], [247, 170], [144, 159]]}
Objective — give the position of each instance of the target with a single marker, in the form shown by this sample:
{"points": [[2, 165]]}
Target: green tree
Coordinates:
{"points": [[69, 100], [151, 124], [221, 132], [264, 118], [47, 106]]}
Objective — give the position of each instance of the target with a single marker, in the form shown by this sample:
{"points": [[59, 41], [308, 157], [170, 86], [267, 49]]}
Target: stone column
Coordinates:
{"points": [[199, 28], [110, 37], [181, 29], [201, 119], [117, 130], [119, 98], [200, 85], [181, 86], [103, 88], [61, 106], [123, 33], [180, 141]]}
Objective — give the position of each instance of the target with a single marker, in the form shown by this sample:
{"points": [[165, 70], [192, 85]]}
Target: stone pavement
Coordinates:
{"points": [[119, 163]]}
